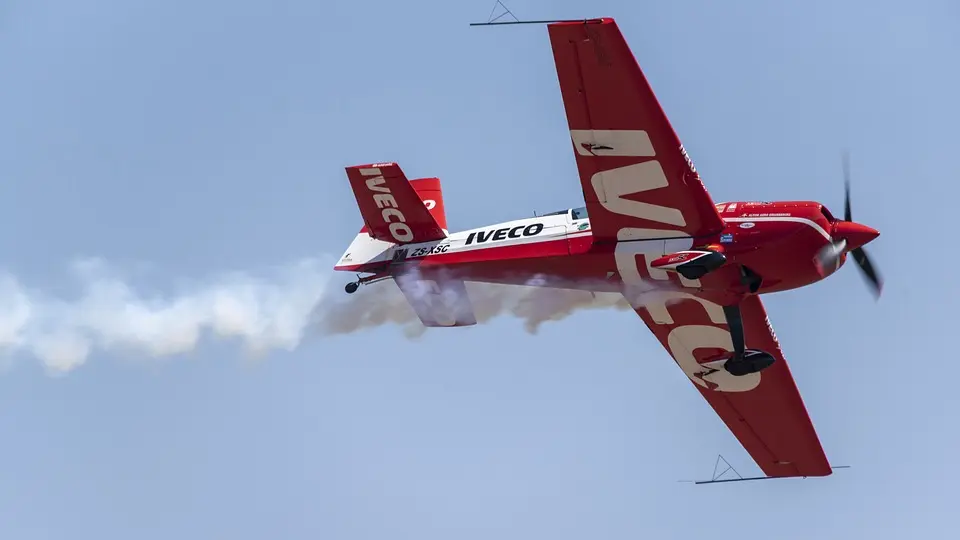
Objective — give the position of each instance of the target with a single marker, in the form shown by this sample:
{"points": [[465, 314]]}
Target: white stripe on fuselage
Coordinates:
{"points": [[366, 250], [553, 228], [781, 219]]}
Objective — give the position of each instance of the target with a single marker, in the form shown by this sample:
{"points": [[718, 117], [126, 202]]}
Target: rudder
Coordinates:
{"points": [[431, 194]]}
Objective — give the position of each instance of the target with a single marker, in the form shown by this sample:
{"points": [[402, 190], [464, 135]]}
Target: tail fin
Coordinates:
{"points": [[392, 209], [431, 193]]}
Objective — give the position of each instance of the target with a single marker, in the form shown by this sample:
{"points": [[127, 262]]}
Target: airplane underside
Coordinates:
{"points": [[444, 286], [700, 270]]}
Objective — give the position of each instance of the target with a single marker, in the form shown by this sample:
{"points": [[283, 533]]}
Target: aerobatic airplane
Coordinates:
{"points": [[693, 270]]}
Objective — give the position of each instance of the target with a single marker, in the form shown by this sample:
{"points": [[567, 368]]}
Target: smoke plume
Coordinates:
{"points": [[276, 308], [384, 303], [268, 311]]}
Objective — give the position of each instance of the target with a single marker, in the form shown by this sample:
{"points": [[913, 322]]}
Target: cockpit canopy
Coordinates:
{"points": [[574, 213]]}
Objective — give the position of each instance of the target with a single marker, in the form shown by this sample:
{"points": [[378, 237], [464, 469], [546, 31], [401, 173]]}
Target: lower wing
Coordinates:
{"points": [[764, 410]]}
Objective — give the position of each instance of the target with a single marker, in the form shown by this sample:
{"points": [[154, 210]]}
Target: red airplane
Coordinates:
{"points": [[693, 270]]}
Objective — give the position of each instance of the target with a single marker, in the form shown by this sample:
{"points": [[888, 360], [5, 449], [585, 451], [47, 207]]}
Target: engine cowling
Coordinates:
{"points": [[691, 264]]}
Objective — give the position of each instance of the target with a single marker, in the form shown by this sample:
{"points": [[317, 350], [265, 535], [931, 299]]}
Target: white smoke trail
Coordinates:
{"points": [[264, 312], [275, 309], [384, 303]]}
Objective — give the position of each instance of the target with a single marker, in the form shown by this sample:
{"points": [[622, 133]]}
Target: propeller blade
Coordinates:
{"points": [[830, 254], [828, 258], [847, 214], [868, 270]]}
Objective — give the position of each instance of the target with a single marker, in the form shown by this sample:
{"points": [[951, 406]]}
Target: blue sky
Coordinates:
{"points": [[178, 141]]}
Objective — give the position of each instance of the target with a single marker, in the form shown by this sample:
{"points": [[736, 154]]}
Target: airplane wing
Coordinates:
{"points": [[764, 410], [637, 179]]}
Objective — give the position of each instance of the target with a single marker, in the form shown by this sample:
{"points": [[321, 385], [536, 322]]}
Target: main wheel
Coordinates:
{"points": [[752, 361], [352, 287]]}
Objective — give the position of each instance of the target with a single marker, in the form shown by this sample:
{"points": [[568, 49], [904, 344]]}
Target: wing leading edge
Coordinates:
{"points": [[637, 179], [763, 410]]}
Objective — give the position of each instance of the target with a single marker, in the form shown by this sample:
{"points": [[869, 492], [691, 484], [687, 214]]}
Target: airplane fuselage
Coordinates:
{"points": [[777, 241]]}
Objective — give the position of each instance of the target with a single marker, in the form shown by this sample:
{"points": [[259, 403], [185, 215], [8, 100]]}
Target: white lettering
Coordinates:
{"points": [[655, 301], [612, 186], [373, 184], [620, 182], [401, 231], [688, 160], [679, 341], [612, 142], [772, 333], [387, 212], [385, 199]]}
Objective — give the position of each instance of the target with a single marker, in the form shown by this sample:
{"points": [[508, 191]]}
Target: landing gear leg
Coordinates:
{"points": [[744, 361], [750, 279]]}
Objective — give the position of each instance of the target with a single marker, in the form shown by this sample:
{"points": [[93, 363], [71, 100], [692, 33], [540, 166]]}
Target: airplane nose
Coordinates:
{"points": [[855, 234]]}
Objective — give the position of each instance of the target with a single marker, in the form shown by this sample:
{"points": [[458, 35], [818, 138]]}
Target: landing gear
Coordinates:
{"points": [[750, 279], [702, 265], [354, 285], [752, 361], [744, 361]]}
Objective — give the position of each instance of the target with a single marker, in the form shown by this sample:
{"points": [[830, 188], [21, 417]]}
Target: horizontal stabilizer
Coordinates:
{"points": [[391, 208], [436, 301]]}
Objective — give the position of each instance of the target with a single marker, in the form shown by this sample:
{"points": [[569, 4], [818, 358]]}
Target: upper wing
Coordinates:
{"points": [[637, 179], [763, 410]]}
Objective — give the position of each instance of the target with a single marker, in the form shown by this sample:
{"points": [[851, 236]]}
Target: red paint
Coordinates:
{"points": [[391, 208], [604, 90]]}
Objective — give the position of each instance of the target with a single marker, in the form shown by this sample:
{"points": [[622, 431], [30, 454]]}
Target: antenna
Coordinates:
{"points": [[716, 479], [545, 21], [495, 21]]}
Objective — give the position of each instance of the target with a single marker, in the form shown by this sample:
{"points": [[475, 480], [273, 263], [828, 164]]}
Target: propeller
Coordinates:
{"points": [[831, 256]]}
